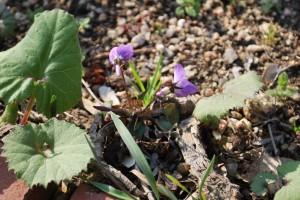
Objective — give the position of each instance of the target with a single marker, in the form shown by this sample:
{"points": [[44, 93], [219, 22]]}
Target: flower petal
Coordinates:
{"points": [[163, 92], [179, 73], [185, 88], [125, 51], [113, 54], [118, 70]]}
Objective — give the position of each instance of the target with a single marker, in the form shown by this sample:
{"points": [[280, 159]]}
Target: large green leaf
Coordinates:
{"points": [[290, 172], [48, 152], [234, 94], [46, 63]]}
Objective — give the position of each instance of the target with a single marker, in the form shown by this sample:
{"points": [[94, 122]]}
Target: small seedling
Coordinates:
{"points": [[269, 37], [84, 23], [189, 7], [270, 5], [282, 90], [296, 129]]}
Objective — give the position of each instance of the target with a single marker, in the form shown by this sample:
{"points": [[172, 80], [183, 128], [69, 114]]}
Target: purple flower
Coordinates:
{"points": [[119, 54], [162, 92], [182, 87]]}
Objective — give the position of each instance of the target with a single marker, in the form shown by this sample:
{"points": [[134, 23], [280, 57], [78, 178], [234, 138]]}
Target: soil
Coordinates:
{"points": [[227, 39]]}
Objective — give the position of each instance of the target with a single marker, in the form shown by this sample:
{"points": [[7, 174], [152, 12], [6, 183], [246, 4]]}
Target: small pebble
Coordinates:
{"points": [[159, 47], [138, 40], [253, 48], [171, 31], [236, 115], [230, 55], [180, 23]]}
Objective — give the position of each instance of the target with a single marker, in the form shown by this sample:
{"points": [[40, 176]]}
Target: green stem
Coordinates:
{"points": [[28, 109], [10, 114]]}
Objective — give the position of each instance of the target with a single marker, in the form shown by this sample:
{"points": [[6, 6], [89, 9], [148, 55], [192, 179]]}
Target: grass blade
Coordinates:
{"points": [[157, 73], [153, 84], [135, 152], [109, 190], [137, 77], [161, 189], [165, 191], [175, 181], [205, 175]]}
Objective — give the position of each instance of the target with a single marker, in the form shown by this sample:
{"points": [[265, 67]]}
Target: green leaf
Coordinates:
{"points": [[175, 181], [46, 62], [235, 92], [110, 190], [137, 78], [190, 11], [283, 81], [31, 14], [273, 92], [47, 152], [203, 179], [288, 92], [171, 112], [84, 23], [290, 172], [196, 6], [135, 152], [8, 22], [163, 123], [179, 11], [10, 114], [180, 2], [261, 181], [137, 127]]}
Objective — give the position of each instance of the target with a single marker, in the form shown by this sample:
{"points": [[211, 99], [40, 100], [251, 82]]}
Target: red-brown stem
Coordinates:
{"points": [[28, 109], [124, 83]]}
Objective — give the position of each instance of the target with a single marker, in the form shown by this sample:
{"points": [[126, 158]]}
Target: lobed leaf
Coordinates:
{"points": [[48, 152], [46, 63], [234, 94], [290, 172]]}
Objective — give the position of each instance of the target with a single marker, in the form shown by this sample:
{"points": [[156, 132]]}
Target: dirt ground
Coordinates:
{"points": [[227, 39]]}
